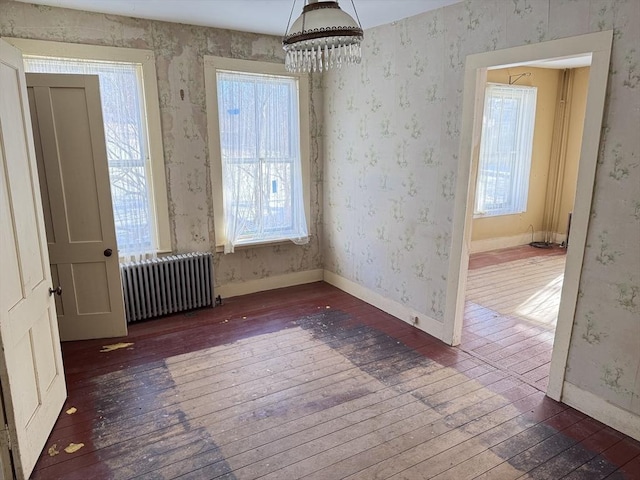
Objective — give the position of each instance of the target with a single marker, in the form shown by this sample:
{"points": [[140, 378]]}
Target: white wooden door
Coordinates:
{"points": [[31, 373], [74, 183]]}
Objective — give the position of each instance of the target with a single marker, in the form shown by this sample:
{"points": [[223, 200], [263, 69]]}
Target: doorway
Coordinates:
{"points": [[517, 253], [598, 46]]}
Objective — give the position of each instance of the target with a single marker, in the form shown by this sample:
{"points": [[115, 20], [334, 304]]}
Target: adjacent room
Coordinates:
{"points": [[522, 213], [312, 239]]}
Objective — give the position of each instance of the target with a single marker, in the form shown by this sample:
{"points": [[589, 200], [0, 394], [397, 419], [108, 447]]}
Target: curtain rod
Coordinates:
{"points": [[518, 77]]}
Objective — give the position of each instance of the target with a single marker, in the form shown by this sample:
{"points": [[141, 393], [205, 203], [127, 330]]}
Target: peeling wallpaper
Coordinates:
{"points": [[179, 51], [392, 129]]}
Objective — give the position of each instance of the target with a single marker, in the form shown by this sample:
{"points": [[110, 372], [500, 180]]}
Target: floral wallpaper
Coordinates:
{"points": [[179, 51], [392, 133]]}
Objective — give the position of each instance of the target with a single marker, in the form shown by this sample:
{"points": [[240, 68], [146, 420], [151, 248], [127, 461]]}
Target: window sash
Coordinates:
{"points": [[506, 146], [259, 131]]}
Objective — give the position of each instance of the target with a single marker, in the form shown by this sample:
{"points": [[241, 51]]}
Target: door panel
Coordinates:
{"points": [[11, 291], [46, 206], [92, 282], [71, 150], [78, 176], [44, 349], [26, 368], [31, 372]]}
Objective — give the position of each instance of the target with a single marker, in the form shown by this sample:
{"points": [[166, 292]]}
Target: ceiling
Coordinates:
{"points": [[260, 16]]}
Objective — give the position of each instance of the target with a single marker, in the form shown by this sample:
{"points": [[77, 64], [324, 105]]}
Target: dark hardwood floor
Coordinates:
{"points": [[510, 341], [505, 255], [311, 382]]}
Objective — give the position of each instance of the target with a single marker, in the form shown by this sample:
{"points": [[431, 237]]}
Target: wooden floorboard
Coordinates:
{"points": [[511, 308], [309, 382]]}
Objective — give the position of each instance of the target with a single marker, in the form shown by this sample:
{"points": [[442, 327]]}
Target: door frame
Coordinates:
{"points": [[598, 45], [6, 458]]}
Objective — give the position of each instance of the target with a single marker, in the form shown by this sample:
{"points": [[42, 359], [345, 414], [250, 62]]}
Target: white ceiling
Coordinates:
{"points": [[260, 16]]}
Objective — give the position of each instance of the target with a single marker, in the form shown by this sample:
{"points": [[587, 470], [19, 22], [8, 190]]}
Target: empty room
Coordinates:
{"points": [[292, 239]]}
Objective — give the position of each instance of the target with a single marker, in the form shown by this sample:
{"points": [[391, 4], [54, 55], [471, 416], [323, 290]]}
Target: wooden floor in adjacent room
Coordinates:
{"points": [[511, 308], [309, 382]]}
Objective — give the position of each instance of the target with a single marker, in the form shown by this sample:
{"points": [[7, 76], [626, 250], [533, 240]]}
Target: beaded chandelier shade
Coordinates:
{"points": [[322, 37]]}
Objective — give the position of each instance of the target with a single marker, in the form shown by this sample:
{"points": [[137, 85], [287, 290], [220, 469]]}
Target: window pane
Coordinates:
{"points": [[243, 178], [276, 112], [237, 105], [125, 135], [278, 196]]}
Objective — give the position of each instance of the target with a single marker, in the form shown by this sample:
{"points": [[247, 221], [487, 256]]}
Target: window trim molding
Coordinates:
{"points": [[146, 59], [211, 65]]}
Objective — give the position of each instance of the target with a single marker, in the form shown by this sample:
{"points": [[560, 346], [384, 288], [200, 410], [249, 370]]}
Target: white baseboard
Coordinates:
{"points": [[269, 283], [559, 238], [497, 243], [488, 244], [406, 314], [603, 411]]}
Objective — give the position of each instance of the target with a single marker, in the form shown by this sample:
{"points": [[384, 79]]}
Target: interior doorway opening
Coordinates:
{"points": [[598, 46], [517, 255]]}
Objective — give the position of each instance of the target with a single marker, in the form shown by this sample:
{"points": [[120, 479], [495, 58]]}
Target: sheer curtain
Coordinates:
{"points": [[127, 152], [505, 149], [261, 168]]}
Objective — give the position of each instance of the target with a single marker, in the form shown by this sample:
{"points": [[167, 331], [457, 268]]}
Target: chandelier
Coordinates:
{"points": [[323, 37]]}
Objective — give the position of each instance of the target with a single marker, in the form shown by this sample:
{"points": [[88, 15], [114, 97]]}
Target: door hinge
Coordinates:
{"points": [[5, 438]]}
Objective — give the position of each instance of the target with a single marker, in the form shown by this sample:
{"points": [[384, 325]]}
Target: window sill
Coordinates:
{"points": [[493, 215], [266, 243]]}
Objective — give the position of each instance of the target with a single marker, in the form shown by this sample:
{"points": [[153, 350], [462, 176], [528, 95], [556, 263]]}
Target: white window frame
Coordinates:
{"points": [[514, 207], [211, 65], [146, 59]]}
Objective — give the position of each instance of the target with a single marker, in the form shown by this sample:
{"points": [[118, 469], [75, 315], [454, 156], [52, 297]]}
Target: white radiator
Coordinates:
{"points": [[167, 285]]}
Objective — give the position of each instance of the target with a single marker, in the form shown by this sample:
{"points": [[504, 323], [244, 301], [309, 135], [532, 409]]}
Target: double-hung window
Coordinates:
{"points": [[258, 129], [130, 112], [505, 150]]}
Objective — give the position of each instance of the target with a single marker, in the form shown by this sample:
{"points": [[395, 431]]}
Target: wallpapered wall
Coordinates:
{"points": [[391, 132], [179, 51], [392, 129]]}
